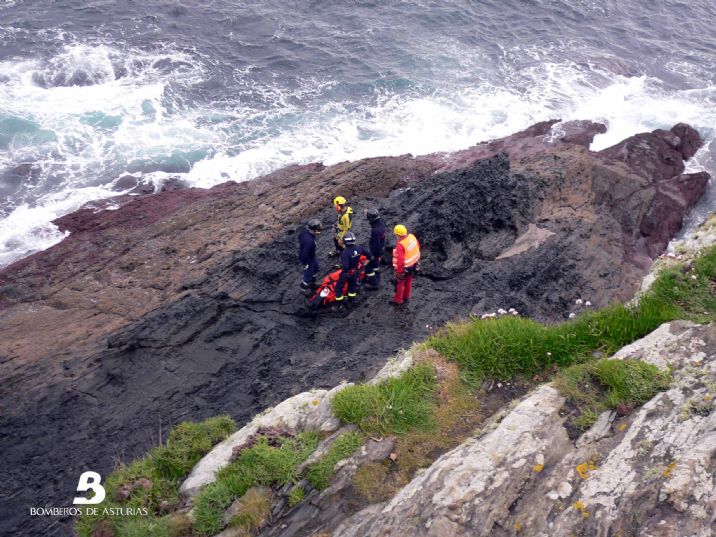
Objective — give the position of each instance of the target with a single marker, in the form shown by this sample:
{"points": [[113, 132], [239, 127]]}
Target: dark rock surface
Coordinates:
{"points": [[185, 304]]}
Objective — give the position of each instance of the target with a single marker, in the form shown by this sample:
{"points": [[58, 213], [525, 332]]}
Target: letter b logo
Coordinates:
{"points": [[90, 481]]}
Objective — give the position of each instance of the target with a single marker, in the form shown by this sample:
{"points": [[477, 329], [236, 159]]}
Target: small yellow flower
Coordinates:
{"points": [[316, 402], [622, 427], [538, 468]]}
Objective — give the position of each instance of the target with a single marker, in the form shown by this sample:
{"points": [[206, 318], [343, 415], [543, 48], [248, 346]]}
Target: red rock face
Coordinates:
{"points": [[185, 304]]}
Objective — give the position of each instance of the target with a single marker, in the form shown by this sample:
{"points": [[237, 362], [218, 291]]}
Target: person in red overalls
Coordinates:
{"points": [[406, 255]]}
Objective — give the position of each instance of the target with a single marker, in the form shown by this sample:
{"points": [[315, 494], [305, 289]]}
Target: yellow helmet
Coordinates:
{"points": [[339, 200], [400, 230]]}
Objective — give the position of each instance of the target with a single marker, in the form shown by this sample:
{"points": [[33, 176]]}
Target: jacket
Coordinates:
{"points": [[350, 257], [406, 253], [343, 224], [377, 237], [306, 247]]}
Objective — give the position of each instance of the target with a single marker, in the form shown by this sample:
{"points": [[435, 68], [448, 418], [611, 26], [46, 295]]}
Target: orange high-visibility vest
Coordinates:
{"points": [[412, 251]]}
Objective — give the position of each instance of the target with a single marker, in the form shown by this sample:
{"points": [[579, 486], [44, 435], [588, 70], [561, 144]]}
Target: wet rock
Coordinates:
{"points": [[657, 155], [666, 212], [125, 183]]}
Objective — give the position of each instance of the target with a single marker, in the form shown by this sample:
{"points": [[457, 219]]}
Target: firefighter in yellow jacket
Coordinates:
{"points": [[343, 224]]}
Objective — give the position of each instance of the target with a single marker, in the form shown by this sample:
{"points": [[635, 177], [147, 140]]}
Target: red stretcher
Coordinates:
{"points": [[325, 294]]}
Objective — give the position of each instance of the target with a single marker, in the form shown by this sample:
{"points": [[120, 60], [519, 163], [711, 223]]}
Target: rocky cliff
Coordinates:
{"points": [[185, 304], [649, 473]]}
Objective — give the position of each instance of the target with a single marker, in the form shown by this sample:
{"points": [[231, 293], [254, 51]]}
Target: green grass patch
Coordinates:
{"points": [[506, 347], [608, 384], [147, 482], [262, 464], [396, 406], [509, 346], [296, 496], [692, 292], [321, 473]]}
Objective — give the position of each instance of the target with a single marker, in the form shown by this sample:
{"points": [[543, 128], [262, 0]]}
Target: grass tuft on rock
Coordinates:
{"points": [[506, 347], [261, 464], [510, 346], [454, 419], [187, 443], [395, 406], [254, 510], [154, 480], [608, 384], [321, 473], [296, 495]]}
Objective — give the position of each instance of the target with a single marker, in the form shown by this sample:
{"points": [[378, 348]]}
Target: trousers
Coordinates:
{"points": [[372, 272], [351, 278], [403, 288], [309, 273]]}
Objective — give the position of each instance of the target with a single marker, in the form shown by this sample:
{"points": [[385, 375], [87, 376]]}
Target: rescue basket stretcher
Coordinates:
{"points": [[325, 294]]}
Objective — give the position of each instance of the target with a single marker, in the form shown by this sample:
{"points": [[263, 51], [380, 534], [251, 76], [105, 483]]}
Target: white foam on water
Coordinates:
{"points": [[451, 118], [86, 132], [29, 229], [404, 124]]}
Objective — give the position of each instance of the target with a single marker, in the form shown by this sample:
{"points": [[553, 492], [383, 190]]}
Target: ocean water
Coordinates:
{"points": [[232, 89]]}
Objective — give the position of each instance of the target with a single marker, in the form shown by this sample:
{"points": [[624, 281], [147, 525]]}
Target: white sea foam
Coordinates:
{"points": [[120, 122], [74, 135], [28, 229]]}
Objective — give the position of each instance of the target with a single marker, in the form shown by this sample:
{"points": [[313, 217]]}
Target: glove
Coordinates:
{"points": [[305, 267], [400, 276]]}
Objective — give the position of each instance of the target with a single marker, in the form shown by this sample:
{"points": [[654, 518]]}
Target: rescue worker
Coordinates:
{"points": [[350, 258], [377, 249], [342, 225], [406, 255], [307, 253]]}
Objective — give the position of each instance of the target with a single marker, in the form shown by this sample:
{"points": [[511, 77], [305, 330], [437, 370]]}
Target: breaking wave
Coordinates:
{"points": [[77, 120]]}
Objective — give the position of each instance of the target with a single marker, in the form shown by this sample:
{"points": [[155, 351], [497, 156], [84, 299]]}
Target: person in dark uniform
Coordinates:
{"points": [[350, 258], [377, 248], [307, 253]]}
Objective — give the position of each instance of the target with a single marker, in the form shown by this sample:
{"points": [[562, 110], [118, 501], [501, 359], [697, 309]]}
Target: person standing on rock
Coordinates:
{"points": [[377, 248], [406, 255], [307, 253], [350, 259], [342, 225]]}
